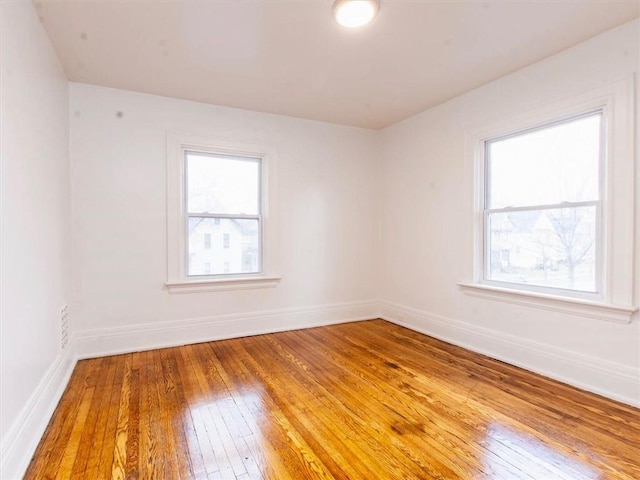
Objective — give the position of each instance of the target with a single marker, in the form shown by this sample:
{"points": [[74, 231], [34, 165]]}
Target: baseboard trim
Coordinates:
{"points": [[23, 438], [605, 378], [133, 338], [27, 430], [609, 379]]}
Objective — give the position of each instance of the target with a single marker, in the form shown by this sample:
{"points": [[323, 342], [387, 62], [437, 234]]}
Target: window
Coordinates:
{"points": [[543, 206], [225, 188], [217, 231], [553, 213]]}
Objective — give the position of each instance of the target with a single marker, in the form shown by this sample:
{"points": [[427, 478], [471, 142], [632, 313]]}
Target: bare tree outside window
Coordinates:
{"points": [[572, 245], [542, 198]]}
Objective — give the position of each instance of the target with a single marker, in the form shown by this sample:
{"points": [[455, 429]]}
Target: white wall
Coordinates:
{"points": [[326, 249], [35, 236], [360, 216], [427, 227], [339, 189]]}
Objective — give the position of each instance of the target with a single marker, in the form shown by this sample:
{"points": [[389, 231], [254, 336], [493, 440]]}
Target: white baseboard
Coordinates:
{"points": [[27, 430], [111, 341], [612, 380], [606, 378], [22, 439]]}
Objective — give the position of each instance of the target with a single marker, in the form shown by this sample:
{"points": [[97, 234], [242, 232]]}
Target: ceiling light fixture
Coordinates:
{"points": [[355, 13]]}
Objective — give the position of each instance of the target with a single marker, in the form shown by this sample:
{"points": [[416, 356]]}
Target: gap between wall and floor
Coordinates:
{"points": [[612, 380]]}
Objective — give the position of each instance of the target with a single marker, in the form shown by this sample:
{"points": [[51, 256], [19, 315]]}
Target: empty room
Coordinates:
{"points": [[320, 239]]}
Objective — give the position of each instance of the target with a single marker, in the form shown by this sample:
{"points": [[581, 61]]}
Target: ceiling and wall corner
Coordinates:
{"points": [[338, 186], [291, 58], [35, 264], [429, 163]]}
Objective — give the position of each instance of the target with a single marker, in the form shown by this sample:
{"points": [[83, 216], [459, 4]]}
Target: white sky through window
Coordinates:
{"points": [[223, 184], [547, 166]]}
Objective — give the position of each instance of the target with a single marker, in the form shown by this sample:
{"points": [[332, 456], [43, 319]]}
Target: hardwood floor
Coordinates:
{"points": [[367, 400]]}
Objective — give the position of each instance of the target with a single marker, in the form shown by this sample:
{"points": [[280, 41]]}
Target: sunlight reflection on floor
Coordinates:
{"points": [[510, 451], [227, 432]]}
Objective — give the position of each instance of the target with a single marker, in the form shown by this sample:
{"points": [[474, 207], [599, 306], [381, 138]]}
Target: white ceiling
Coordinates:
{"points": [[289, 57]]}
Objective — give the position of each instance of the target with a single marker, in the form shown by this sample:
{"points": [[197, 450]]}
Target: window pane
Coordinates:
{"points": [[234, 247], [556, 164], [223, 184], [551, 248]]}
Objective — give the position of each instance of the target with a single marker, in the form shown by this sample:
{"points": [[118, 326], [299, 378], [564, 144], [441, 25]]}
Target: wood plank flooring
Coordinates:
{"points": [[367, 400]]}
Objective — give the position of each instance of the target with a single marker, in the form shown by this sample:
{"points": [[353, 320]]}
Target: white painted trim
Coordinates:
{"points": [[603, 377], [24, 435], [612, 380], [570, 305], [132, 338], [617, 101], [176, 144], [212, 285]]}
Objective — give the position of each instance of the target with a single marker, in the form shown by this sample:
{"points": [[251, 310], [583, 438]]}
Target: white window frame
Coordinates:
{"points": [[177, 216], [615, 300], [598, 295]]}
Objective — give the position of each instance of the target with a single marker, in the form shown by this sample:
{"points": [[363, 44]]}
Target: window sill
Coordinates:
{"points": [[244, 283], [573, 306]]}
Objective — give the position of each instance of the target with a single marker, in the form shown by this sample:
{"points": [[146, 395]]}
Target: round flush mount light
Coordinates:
{"points": [[355, 13]]}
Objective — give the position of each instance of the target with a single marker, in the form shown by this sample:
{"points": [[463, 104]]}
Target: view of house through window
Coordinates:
{"points": [[542, 207], [223, 200]]}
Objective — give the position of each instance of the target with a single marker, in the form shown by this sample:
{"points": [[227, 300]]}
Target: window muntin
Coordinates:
{"points": [[542, 207], [223, 200]]}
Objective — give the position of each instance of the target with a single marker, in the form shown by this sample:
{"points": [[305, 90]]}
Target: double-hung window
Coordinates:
{"points": [[223, 201], [217, 231], [554, 206], [543, 207]]}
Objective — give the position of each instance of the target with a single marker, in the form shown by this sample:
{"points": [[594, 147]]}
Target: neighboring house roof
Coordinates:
{"points": [[525, 222]]}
